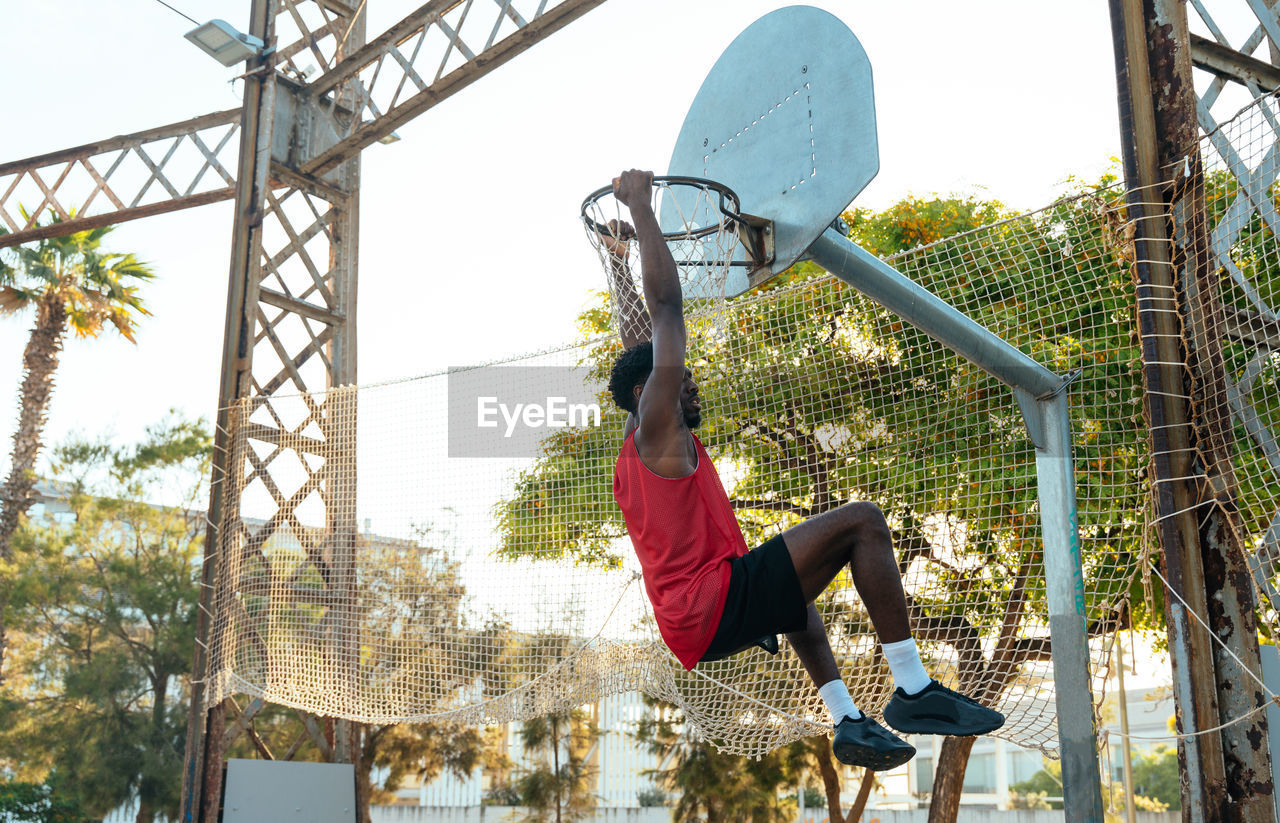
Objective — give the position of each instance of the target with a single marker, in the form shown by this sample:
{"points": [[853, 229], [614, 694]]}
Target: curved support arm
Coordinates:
{"points": [[929, 313]]}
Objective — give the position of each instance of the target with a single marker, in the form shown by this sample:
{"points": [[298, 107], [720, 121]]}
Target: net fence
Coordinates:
{"points": [[1231, 334], [449, 546]]}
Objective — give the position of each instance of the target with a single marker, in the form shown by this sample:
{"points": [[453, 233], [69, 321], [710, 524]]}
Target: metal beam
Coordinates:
{"points": [[111, 218], [1251, 328], [77, 184], [284, 301], [386, 88], [1203, 775], [1228, 63], [1068, 627], [202, 770], [123, 141]]}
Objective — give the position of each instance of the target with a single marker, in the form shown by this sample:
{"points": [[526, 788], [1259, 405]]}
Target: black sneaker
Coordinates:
{"points": [[864, 742], [935, 709]]}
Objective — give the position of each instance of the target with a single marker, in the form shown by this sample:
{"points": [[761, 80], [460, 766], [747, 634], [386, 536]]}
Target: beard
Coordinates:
{"points": [[692, 418]]}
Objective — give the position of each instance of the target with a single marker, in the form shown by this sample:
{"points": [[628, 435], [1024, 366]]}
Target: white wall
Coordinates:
{"points": [[495, 814], [498, 814]]}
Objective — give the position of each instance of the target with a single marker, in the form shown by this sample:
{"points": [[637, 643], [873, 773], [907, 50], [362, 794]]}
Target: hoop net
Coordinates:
{"points": [[701, 225]]}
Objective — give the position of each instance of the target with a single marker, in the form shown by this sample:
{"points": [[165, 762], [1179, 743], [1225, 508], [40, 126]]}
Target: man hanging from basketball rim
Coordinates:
{"points": [[711, 596]]}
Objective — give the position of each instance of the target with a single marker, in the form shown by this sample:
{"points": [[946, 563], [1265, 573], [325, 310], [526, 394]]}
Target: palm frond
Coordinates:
{"points": [[123, 322], [14, 299], [97, 286]]}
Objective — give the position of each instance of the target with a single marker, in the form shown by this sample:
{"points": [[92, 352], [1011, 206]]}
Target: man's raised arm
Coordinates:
{"points": [[660, 400], [634, 325]]}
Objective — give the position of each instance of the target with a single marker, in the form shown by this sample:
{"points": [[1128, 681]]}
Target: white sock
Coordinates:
{"points": [[839, 702], [904, 661]]}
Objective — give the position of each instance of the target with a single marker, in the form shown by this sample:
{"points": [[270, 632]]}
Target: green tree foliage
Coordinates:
{"points": [[416, 587], [710, 785], [1114, 800], [34, 803], [412, 606], [425, 751], [558, 787], [919, 221], [1155, 786], [1155, 775], [104, 611], [413, 601], [651, 796], [1045, 783], [73, 284]]}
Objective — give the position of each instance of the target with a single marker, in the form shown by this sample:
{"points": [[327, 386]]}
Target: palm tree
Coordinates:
{"points": [[75, 285]]}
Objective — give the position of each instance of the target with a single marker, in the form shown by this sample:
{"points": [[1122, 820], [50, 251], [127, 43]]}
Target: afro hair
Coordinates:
{"points": [[631, 369]]}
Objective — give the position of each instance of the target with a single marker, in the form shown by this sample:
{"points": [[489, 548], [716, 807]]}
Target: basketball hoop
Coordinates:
{"points": [[700, 221]]}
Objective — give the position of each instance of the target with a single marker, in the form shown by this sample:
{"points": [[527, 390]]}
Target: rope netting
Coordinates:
{"points": [[1232, 454], [392, 558]]}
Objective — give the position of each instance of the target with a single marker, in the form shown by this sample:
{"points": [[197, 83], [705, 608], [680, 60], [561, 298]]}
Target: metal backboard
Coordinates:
{"points": [[786, 118]]}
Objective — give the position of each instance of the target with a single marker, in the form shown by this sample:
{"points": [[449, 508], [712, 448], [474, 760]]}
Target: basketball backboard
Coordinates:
{"points": [[786, 119]]}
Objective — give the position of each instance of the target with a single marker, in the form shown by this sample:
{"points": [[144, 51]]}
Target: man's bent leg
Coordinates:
{"points": [[814, 650], [855, 535], [858, 740]]}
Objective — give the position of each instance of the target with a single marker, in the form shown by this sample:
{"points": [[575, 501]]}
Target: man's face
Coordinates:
{"points": [[690, 403]]}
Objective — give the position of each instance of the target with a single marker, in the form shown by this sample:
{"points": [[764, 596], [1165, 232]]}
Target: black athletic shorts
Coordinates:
{"points": [[765, 598]]}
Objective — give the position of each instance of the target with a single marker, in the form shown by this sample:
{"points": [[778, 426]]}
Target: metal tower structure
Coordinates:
{"points": [[291, 306], [1171, 83]]}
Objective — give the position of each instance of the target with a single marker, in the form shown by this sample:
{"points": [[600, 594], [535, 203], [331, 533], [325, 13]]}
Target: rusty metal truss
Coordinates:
{"points": [[1254, 323], [440, 48], [290, 333], [432, 54], [135, 175]]}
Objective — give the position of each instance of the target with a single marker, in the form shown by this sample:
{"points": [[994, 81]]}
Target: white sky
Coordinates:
{"points": [[470, 248]]}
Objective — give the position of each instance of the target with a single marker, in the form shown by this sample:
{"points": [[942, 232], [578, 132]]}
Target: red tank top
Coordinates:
{"points": [[685, 534]]}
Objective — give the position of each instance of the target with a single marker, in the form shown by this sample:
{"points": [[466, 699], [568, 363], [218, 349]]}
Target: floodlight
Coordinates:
{"points": [[222, 42], [389, 138]]}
